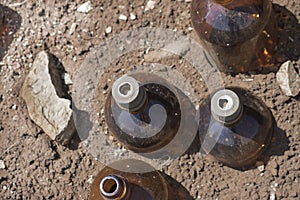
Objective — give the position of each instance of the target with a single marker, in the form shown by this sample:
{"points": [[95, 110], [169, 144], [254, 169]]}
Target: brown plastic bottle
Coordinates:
{"points": [[235, 127], [112, 184], [144, 116], [238, 34]]}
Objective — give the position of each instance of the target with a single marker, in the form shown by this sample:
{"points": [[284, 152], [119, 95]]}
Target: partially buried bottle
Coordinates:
{"points": [[238, 34], [144, 116], [235, 127], [114, 184]]}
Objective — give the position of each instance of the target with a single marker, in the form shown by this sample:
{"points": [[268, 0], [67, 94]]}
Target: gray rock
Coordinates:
{"points": [[288, 79], [44, 95]]}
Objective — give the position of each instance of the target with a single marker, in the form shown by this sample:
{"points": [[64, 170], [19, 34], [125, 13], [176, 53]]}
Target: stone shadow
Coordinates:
{"points": [[81, 119], [83, 127]]}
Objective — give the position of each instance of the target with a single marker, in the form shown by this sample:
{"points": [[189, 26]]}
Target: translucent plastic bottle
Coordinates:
{"points": [[112, 184], [142, 116], [235, 127], [238, 34]]}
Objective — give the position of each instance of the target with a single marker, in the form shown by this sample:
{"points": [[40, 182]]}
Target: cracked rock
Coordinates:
{"points": [[43, 92], [288, 79]]}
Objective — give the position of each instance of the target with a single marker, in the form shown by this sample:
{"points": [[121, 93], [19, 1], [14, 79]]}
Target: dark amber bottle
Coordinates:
{"points": [[238, 34], [113, 184], [10, 22], [144, 116], [235, 127]]}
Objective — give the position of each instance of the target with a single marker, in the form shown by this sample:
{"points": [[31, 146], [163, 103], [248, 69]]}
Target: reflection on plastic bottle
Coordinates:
{"points": [[235, 133]]}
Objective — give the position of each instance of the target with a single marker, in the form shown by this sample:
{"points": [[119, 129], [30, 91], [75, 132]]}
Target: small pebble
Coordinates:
{"points": [[2, 164], [123, 17], [91, 179], [261, 168], [108, 30], [132, 16], [16, 118], [73, 28], [150, 5], [67, 79], [85, 8], [111, 138], [272, 196]]}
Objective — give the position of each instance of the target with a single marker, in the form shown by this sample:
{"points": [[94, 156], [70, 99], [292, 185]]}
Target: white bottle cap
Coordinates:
{"points": [[128, 94], [226, 106]]}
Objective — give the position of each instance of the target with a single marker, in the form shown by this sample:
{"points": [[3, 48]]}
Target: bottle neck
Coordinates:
{"points": [[129, 95], [140, 102], [226, 107], [113, 187]]}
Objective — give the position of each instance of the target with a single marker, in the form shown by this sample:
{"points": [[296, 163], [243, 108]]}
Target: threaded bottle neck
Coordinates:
{"points": [[128, 94], [226, 107]]}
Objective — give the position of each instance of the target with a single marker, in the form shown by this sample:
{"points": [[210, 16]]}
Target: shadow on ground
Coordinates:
{"points": [[279, 144]]}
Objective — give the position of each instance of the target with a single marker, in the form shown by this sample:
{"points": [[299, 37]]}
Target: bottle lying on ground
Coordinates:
{"points": [[143, 116], [240, 35], [113, 184], [235, 127]]}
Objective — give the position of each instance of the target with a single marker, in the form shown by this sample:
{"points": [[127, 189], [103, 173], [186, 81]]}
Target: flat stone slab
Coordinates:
{"points": [[44, 95]]}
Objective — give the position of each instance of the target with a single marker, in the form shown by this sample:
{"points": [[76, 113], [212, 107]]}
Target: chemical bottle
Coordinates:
{"points": [[235, 127], [144, 116], [114, 184], [239, 35]]}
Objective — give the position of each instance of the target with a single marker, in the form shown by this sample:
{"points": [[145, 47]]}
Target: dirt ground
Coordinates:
{"points": [[38, 168]]}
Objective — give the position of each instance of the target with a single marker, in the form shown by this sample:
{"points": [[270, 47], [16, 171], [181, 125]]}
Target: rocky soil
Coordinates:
{"points": [[32, 166]]}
